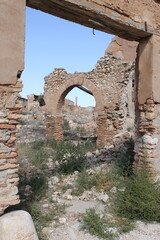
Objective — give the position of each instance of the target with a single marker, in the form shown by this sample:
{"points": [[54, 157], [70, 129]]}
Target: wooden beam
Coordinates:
{"points": [[85, 90]]}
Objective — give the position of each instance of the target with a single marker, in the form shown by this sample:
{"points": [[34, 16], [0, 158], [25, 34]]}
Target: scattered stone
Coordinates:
{"points": [[121, 189], [47, 231], [103, 197], [62, 220], [46, 205], [113, 190], [112, 230], [54, 180]]}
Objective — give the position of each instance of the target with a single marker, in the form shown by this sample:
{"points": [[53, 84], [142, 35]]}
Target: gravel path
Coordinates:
{"points": [[70, 231], [143, 232]]}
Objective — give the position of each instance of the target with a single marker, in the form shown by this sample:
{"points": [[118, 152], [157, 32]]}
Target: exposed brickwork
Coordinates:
{"points": [[9, 115], [148, 130]]}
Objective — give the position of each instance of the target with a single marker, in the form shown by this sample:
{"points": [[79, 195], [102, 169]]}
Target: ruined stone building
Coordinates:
{"points": [[111, 85], [137, 20]]}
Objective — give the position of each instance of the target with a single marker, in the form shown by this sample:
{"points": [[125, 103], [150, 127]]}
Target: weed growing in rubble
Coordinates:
{"points": [[42, 219], [103, 225], [141, 198], [73, 163], [66, 125], [71, 157], [124, 161], [102, 180], [97, 224]]}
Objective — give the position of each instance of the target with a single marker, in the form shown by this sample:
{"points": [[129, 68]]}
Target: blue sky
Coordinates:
{"points": [[52, 42]]}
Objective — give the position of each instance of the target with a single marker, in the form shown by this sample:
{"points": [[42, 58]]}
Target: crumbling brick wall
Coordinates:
{"points": [[10, 108], [111, 84]]}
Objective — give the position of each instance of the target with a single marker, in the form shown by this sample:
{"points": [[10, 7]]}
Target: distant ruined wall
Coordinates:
{"points": [[111, 84]]}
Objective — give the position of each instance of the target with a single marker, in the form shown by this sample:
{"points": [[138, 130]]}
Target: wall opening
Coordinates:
{"points": [[53, 42], [79, 115]]}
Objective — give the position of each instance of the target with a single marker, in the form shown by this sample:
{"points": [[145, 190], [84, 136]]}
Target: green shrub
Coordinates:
{"points": [[36, 145], [93, 223], [102, 180], [35, 152], [80, 129], [123, 224], [141, 198], [72, 157], [39, 186], [39, 159], [73, 163], [66, 125], [125, 160]]}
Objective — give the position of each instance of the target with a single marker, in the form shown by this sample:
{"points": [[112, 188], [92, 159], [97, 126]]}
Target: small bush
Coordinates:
{"points": [[101, 181], [73, 163], [93, 223], [123, 224], [39, 151], [35, 152], [141, 198], [125, 160], [39, 186], [80, 129], [66, 125], [39, 159], [72, 157], [36, 145]]}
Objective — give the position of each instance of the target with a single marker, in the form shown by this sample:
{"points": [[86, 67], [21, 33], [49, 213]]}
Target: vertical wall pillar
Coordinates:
{"points": [[148, 103], [104, 133], [12, 21], [54, 127]]}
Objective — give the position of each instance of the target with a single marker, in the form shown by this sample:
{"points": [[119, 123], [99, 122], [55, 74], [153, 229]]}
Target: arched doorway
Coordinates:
{"points": [[55, 101]]}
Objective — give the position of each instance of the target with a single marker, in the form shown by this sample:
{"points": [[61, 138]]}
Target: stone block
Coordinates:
{"points": [[17, 225]]}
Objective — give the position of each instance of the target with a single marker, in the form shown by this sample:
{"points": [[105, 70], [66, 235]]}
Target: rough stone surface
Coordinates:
{"points": [[10, 108], [17, 225]]}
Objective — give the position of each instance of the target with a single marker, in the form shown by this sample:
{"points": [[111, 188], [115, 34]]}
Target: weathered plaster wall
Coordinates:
{"points": [[111, 75], [126, 18], [125, 50], [12, 21]]}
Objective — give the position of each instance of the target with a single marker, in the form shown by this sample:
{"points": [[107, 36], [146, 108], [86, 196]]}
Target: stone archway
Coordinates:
{"points": [[55, 101]]}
